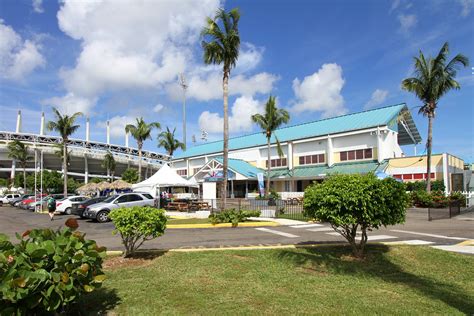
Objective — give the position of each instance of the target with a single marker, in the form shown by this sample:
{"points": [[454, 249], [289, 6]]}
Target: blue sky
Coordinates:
{"points": [[120, 60]]}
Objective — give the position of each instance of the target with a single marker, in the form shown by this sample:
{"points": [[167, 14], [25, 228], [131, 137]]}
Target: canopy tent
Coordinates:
{"points": [[165, 177]]}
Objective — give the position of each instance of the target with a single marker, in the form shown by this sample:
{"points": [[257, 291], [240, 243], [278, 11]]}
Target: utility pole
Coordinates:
{"points": [[184, 85]]}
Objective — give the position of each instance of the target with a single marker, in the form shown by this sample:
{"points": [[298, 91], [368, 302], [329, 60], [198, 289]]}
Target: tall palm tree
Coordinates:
{"points": [[141, 132], [109, 164], [19, 152], [223, 47], [433, 78], [272, 119], [64, 125], [168, 142]]}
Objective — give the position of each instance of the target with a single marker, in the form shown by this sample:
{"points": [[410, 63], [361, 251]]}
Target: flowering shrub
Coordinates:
{"points": [[232, 216]]}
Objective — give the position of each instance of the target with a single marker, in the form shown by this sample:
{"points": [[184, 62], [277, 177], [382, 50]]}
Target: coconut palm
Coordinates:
{"points": [[64, 125], [19, 152], [141, 132], [109, 164], [433, 78], [272, 119], [222, 47], [168, 142]]}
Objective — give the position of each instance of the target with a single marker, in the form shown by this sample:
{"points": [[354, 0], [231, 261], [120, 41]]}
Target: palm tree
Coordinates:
{"points": [[141, 132], [223, 47], [433, 78], [64, 125], [109, 164], [19, 152], [168, 142], [272, 119]]}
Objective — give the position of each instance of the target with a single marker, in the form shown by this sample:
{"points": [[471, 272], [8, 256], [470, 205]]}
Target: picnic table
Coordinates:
{"points": [[198, 205], [178, 206]]}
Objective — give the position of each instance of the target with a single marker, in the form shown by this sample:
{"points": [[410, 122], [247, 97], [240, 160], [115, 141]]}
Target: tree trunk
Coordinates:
{"points": [[429, 143], [140, 161], [24, 179], [65, 165], [268, 168], [225, 83]]}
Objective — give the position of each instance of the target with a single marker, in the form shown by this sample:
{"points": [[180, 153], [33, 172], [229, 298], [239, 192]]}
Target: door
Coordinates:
{"points": [[135, 200]]}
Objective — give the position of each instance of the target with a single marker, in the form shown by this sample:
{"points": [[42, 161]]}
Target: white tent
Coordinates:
{"points": [[165, 177]]}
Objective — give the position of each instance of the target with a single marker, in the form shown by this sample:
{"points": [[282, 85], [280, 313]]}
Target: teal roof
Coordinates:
{"points": [[386, 116], [242, 167]]}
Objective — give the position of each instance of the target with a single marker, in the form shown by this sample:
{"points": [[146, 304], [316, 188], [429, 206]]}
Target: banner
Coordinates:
{"points": [[261, 184]]}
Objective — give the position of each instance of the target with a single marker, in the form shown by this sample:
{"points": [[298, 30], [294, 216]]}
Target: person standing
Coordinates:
{"points": [[51, 207]]}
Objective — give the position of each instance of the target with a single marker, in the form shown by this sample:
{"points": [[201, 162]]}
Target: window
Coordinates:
{"points": [[413, 176], [359, 154], [280, 162], [122, 199], [407, 176], [418, 176], [311, 159], [182, 172], [134, 198], [148, 196]]}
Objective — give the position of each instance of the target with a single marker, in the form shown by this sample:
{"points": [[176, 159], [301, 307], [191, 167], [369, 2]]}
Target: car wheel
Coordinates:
{"points": [[67, 211], [102, 216]]}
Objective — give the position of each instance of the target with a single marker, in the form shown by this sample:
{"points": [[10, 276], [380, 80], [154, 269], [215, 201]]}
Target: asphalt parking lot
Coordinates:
{"points": [[416, 230]]}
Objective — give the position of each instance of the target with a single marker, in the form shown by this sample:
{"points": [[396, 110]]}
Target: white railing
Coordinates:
{"points": [[469, 197], [290, 195]]}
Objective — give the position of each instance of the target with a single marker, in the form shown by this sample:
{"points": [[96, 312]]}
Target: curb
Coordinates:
{"points": [[222, 225]]}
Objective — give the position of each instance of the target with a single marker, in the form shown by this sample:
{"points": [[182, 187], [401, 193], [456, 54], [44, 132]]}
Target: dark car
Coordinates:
{"points": [[14, 202], [78, 208]]}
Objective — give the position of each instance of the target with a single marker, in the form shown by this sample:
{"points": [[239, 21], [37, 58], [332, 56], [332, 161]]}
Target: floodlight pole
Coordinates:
{"points": [[183, 84]]}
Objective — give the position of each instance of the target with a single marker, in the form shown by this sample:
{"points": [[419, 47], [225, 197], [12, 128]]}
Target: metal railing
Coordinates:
{"points": [[446, 211]]}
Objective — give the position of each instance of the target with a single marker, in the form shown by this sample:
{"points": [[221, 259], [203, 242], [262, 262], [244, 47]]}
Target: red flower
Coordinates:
{"points": [[26, 233], [72, 223]]}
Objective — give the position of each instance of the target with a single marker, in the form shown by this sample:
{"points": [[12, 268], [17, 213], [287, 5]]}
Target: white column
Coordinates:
{"points": [[379, 145], [126, 139], [108, 133], [86, 170], [18, 122], [12, 174], [187, 167], [329, 152], [290, 155], [88, 131], [42, 124], [447, 184]]}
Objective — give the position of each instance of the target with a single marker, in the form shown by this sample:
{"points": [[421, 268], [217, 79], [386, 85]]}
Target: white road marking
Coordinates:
{"points": [[322, 229], [413, 242], [334, 234], [306, 226], [377, 237], [460, 249], [276, 232], [428, 235]]}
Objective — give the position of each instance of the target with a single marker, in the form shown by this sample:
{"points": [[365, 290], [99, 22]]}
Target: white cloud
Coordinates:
{"points": [[250, 57], [239, 117], [395, 5], [70, 104], [321, 91], [18, 57], [378, 97], [407, 22], [117, 124], [157, 108], [38, 6], [467, 6]]}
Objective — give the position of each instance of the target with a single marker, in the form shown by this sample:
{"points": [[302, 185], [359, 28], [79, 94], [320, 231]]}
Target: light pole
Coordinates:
{"points": [[184, 85]]}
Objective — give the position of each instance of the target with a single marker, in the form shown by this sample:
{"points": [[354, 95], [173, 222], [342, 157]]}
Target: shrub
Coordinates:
{"points": [[47, 270], [130, 175], [458, 197], [439, 200], [437, 185], [421, 198], [352, 202], [232, 216], [138, 224]]}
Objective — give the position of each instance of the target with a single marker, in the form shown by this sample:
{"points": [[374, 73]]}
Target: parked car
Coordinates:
{"points": [[79, 208], [44, 201], [14, 202], [65, 205], [24, 203], [8, 197], [100, 211]]}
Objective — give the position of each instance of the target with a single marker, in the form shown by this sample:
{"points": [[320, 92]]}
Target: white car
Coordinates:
{"points": [[65, 205], [8, 197]]}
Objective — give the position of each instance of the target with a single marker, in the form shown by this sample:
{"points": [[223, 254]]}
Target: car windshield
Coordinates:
{"points": [[110, 199]]}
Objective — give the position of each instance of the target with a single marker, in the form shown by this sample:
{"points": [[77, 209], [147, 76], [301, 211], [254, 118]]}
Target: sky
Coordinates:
{"points": [[119, 60]]}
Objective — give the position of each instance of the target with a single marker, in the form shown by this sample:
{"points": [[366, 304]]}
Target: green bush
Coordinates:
{"points": [[232, 216], [421, 198], [437, 185], [47, 270], [353, 202], [458, 197], [439, 200], [138, 224], [130, 175]]}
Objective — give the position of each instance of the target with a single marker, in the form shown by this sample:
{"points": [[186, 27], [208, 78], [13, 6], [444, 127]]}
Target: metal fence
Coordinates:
{"points": [[453, 208]]}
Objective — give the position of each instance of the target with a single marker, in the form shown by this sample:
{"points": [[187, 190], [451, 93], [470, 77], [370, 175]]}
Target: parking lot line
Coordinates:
{"points": [[276, 232], [427, 235], [306, 226], [322, 229]]}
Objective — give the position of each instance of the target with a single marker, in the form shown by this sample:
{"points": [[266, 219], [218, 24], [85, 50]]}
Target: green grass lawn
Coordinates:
{"points": [[322, 280], [179, 221]]}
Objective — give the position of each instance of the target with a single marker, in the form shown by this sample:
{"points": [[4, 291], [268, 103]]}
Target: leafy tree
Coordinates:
{"points": [[19, 152], [138, 224], [272, 119], [167, 140], [433, 78], [3, 182], [141, 132], [356, 202], [222, 47], [65, 126], [130, 175], [52, 181], [98, 180], [109, 164]]}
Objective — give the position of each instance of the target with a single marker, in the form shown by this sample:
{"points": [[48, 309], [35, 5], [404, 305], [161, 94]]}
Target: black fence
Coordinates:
{"points": [[446, 211]]}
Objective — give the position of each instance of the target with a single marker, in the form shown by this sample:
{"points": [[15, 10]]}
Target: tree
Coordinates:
{"points": [[65, 126], [141, 132], [433, 78], [130, 175], [272, 119], [356, 202], [19, 152], [109, 164], [223, 47], [168, 142]]}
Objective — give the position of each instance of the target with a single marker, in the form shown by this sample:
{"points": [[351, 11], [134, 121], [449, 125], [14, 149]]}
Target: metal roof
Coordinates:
{"points": [[385, 116], [242, 167]]}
